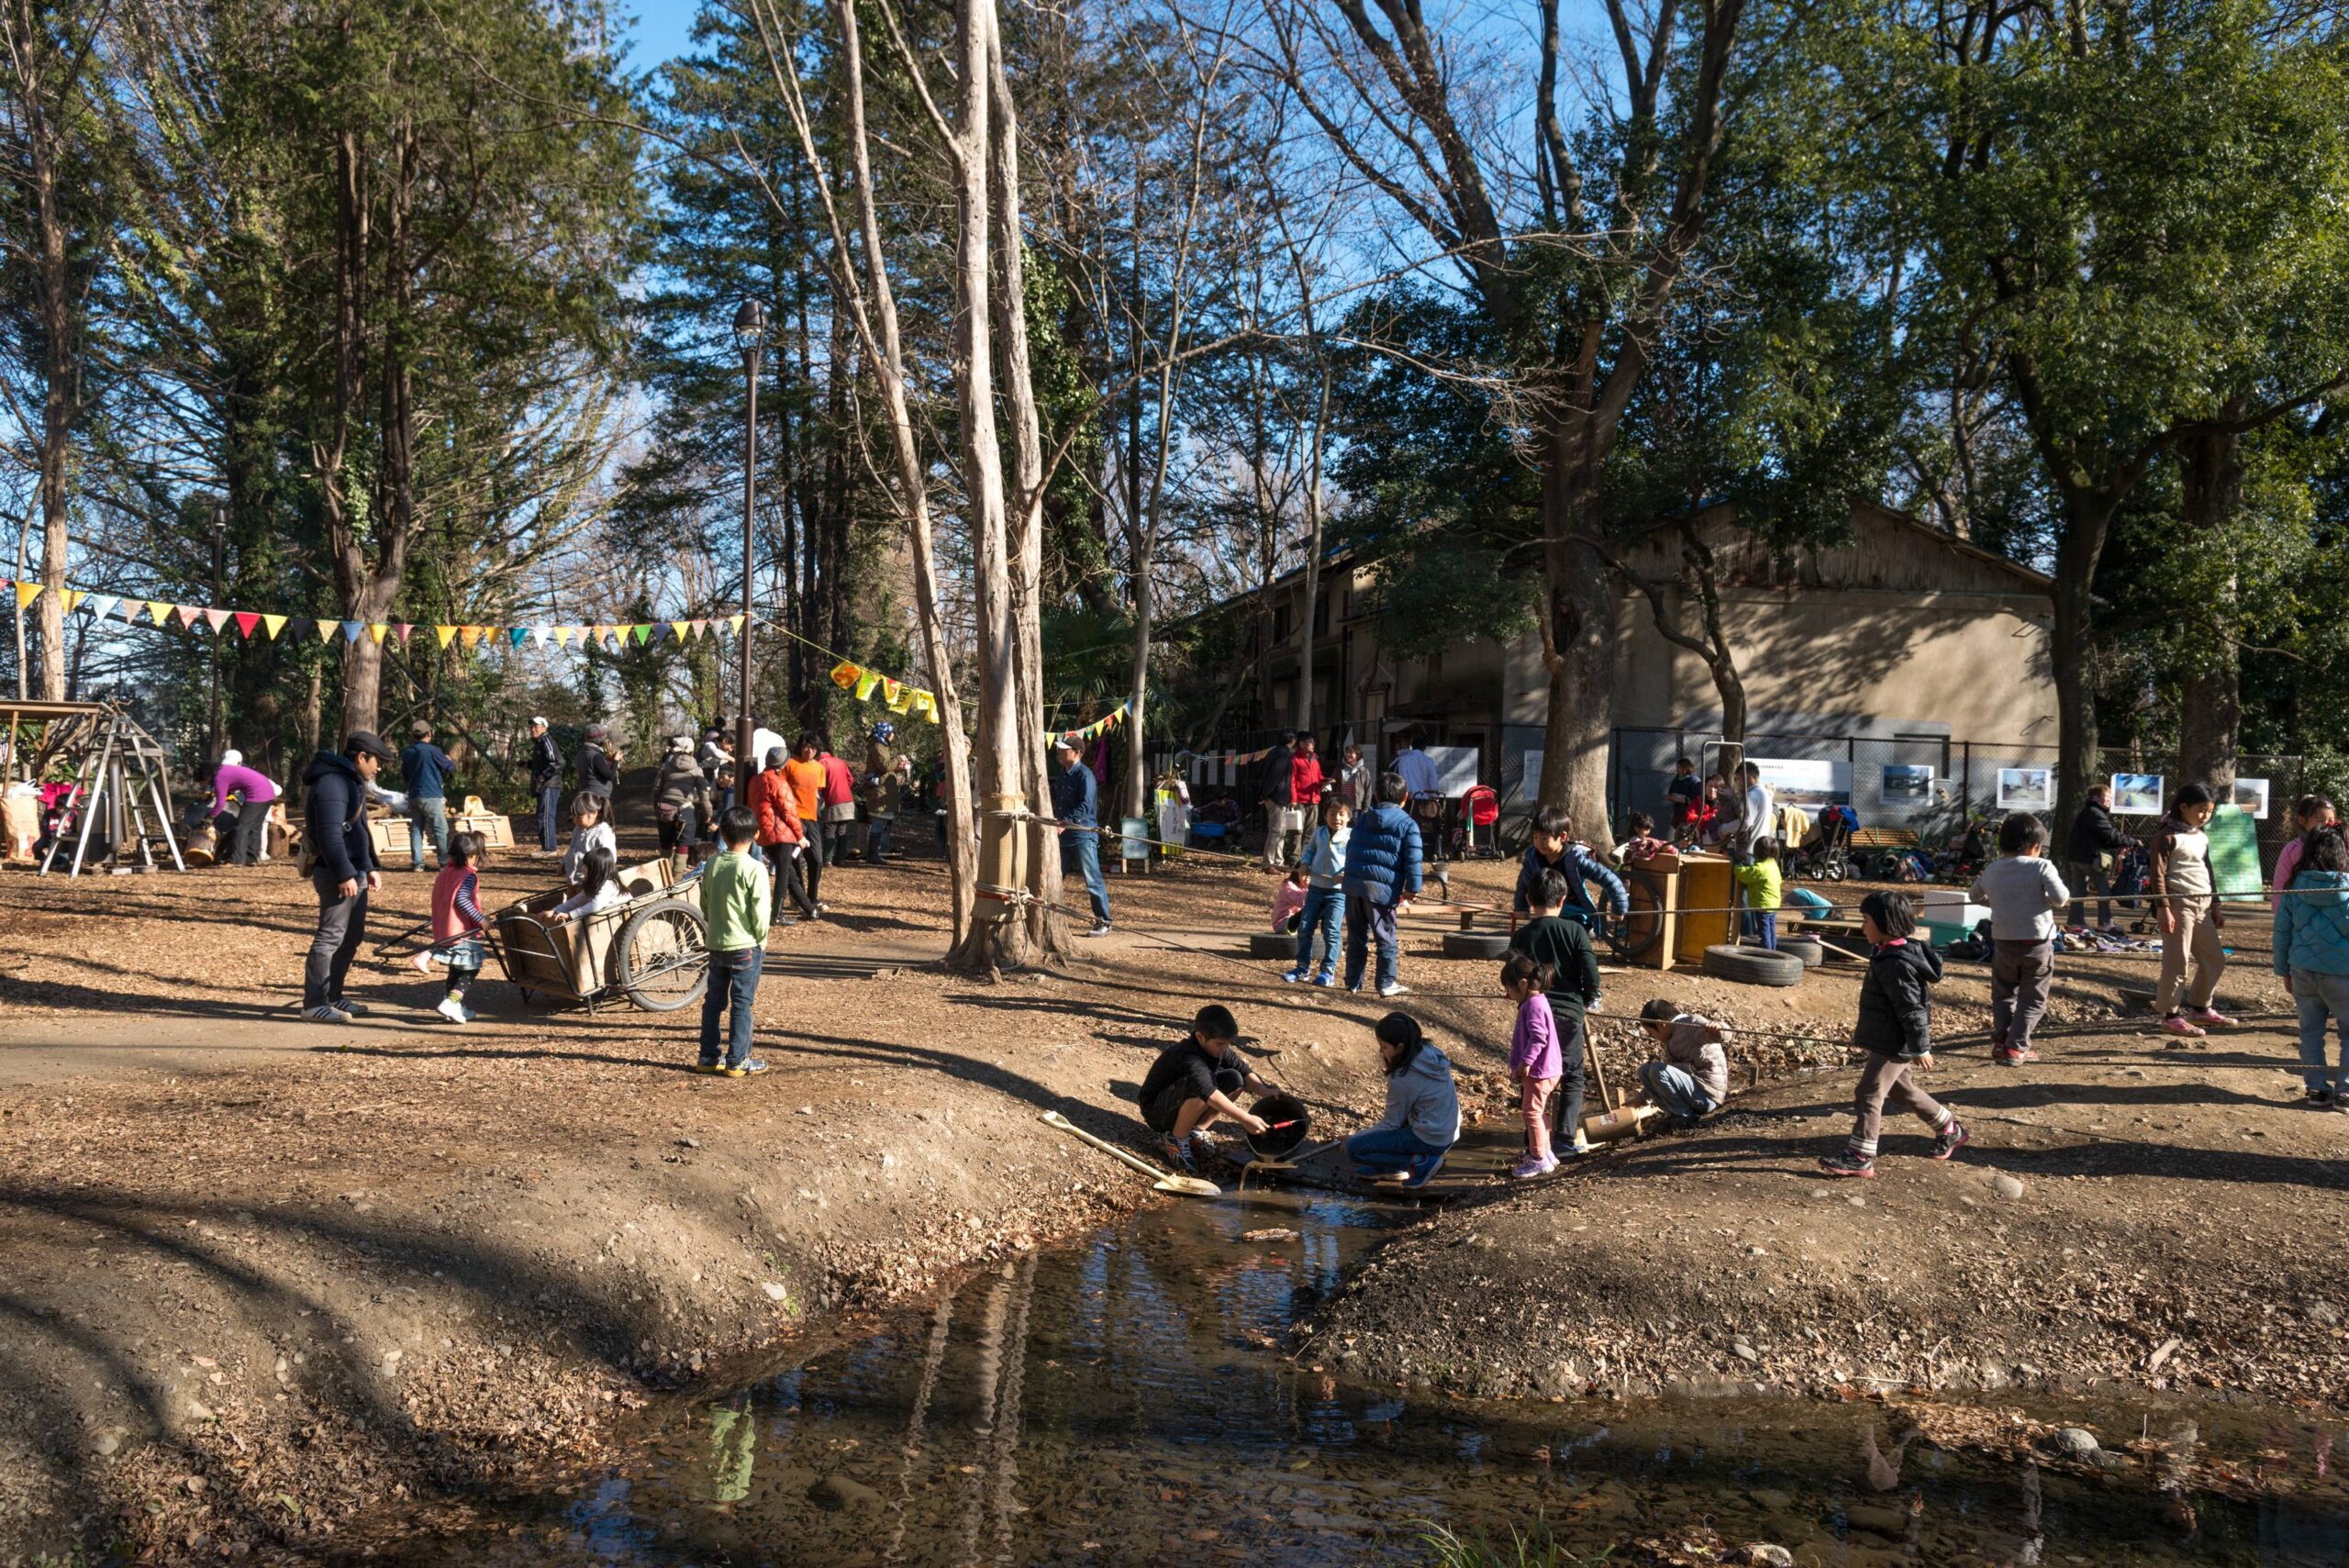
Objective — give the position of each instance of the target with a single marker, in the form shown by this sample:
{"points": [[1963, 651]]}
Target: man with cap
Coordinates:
{"points": [[546, 783], [427, 770], [598, 765], [1077, 801], [345, 871]]}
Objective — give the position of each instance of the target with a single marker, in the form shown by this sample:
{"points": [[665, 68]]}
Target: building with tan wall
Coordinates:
{"points": [[1903, 634]]}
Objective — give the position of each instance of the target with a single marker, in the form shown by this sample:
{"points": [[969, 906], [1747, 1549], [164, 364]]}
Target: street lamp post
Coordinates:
{"points": [[750, 334]]}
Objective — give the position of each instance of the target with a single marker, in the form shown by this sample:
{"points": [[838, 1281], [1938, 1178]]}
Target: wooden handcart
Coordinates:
{"points": [[649, 950]]}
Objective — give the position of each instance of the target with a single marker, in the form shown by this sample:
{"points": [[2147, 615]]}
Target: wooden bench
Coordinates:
{"points": [[1885, 838]]}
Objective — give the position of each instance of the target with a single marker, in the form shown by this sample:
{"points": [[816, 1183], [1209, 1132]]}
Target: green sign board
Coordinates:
{"points": [[2234, 851]]}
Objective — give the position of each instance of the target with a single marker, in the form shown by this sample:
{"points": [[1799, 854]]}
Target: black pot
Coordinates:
{"points": [[1278, 1142]]}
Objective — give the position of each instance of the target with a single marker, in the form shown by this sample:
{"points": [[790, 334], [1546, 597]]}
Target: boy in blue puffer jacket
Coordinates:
{"points": [[1382, 876], [1552, 851], [2312, 951]]}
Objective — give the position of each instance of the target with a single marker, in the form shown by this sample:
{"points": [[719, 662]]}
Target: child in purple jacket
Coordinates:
{"points": [[1534, 1060]]}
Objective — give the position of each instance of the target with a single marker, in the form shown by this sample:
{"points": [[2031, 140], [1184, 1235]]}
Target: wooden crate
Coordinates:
{"points": [[496, 831]]}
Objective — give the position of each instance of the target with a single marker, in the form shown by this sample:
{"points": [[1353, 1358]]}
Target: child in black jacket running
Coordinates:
{"points": [[1896, 1028]]}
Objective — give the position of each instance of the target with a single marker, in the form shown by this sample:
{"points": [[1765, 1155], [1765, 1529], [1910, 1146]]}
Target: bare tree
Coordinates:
{"points": [[1581, 283]]}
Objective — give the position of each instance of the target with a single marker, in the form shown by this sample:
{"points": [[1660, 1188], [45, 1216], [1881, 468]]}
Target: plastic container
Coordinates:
{"points": [[1292, 1122]]}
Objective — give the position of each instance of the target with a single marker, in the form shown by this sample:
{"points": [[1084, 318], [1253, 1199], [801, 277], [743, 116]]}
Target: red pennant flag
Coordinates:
{"points": [[247, 620]]}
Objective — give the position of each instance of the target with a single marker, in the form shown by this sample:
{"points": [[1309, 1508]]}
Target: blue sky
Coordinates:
{"points": [[658, 31]]}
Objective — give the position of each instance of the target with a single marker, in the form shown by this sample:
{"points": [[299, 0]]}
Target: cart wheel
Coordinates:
{"points": [[1630, 938], [663, 962]]}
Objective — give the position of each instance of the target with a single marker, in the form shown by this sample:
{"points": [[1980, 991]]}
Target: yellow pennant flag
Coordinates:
{"points": [[845, 674], [27, 593], [376, 629], [328, 627], [865, 681], [680, 627], [444, 633], [275, 625], [472, 635], [734, 625], [73, 597], [158, 612], [563, 636]]}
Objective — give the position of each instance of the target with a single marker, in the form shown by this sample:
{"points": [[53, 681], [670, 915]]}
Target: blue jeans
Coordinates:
{"points": [[2319, 996], [1082, 846], [733, 980], [424, 814], [1325, 908], [1676, 1090], [1364, 921], [1389, 1149], [550, 810], [1762, 925]]}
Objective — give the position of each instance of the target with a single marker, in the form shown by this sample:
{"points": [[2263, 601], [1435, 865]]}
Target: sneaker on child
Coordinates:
{"points": [[1848, 1163], [451, 1009], [2175, 1024], [1422, 1170], [1292, 975], [1529, 1167], [1394, 988], [1952, 1139], [745, 1068]]}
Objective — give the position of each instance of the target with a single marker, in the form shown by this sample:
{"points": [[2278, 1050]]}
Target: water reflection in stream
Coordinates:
{"points": [[1123, 1401]]}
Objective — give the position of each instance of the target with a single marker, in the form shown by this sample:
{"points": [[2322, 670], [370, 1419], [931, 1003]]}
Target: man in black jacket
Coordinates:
{"points": [[2088, 855], [599, 773], [345, 870], [546, 782]]}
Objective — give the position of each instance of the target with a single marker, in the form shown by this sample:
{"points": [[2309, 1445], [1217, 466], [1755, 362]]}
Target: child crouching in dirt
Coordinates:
{"points": [[1192, 1082], [1896, 1028], [1422, 1119], [457, 923], [1692, 1080]]}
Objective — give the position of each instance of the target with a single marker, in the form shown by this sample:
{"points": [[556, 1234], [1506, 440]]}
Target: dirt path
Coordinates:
{"points": [[257, 1276]]}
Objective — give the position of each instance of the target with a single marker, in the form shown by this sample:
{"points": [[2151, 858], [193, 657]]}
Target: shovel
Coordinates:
{"points": [[1189, 1186]]}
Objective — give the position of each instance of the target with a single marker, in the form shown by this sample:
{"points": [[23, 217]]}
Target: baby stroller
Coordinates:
{"points": [[1826, 854], [1481, 811]]}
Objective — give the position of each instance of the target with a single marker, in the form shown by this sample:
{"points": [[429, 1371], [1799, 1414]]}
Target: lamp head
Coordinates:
{"points": [[749, 325]]}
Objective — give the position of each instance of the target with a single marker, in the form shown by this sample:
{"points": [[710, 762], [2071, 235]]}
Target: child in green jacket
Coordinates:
{"points": [[735, 903], [1764, 884]]}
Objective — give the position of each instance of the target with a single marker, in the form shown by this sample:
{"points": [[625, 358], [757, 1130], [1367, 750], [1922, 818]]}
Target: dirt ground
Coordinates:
{"points": [[271, 1284]]}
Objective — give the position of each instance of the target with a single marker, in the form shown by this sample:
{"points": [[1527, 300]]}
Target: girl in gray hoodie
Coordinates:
{"points": [[1422, 1119]]}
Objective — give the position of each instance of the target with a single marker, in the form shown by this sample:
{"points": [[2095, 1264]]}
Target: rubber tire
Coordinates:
{"points": [[1752, 966], [625, 944], [1474, 945], [1272, 944], [1807, 949]]}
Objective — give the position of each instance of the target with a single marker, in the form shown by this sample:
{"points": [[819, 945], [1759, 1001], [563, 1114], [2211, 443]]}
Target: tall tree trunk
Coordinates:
{"points": [[2210, 718], [1313, 523], [42, 103], [347, 336], [999, 937], [1577, 622], [2072, 654], [1047, 924], [369, 572]]}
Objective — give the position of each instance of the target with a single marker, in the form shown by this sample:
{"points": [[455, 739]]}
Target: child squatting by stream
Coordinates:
{"points": [[1896, 1028]]}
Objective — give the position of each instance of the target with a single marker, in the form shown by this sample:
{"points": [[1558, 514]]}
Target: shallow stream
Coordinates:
{"points": [[1124, 1400]]}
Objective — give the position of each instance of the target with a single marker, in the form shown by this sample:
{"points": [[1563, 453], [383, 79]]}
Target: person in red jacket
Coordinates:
{"points": [[781, 832], [840, 808], [1305, 777]]}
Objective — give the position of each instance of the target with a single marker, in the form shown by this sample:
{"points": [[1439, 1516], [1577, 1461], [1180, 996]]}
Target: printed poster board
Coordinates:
{"points": [[1906, 786], [1805, 782], [2137, 795], [2027, 789], [2252, 795], [1528, 780], [1455, 768], [2234, 851]]}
